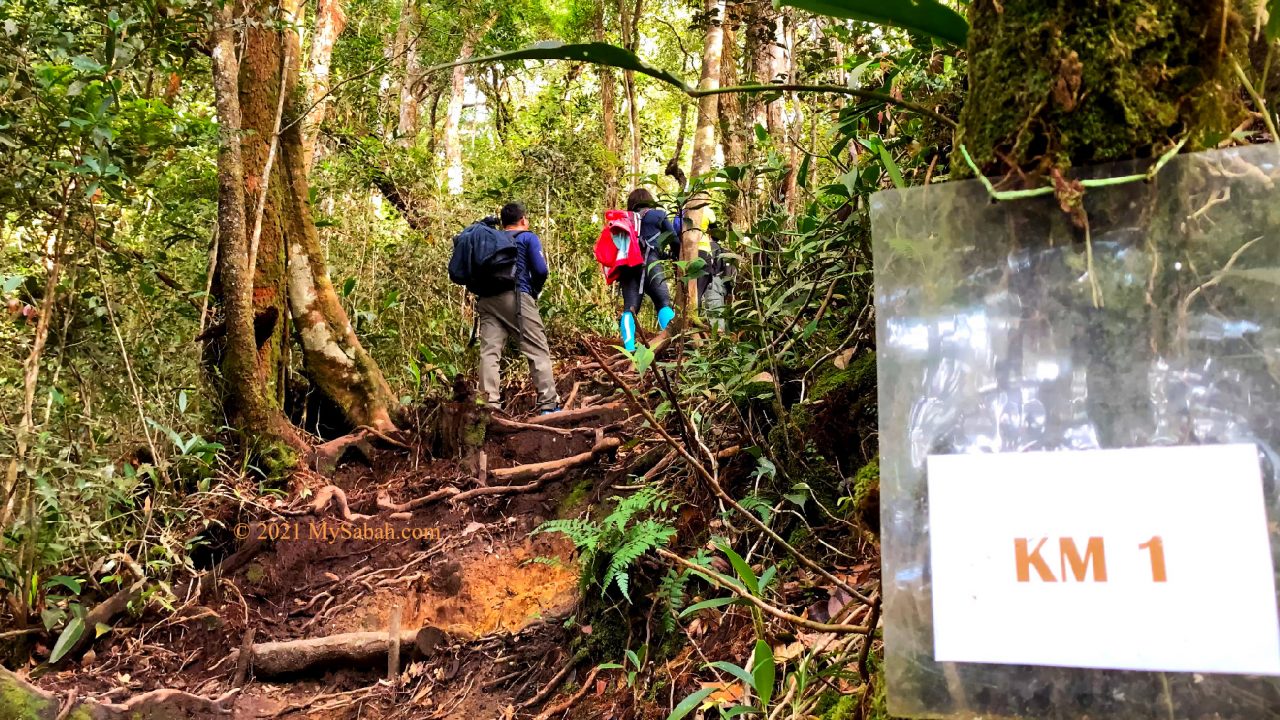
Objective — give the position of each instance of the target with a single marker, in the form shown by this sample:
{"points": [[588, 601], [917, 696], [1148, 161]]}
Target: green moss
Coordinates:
{"points": [[1064, 84], [81, 712], [858, 374], [19, 701], [255, 573], [845, 708], [575, 497], [866, 487]]}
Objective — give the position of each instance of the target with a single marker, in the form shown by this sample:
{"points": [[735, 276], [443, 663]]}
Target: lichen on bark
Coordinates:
{"points": [[1061, 84]]}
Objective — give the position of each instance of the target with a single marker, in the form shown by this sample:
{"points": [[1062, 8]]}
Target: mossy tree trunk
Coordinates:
{"points": [[607, 109], [291, 277], [246, 400], [1055, 84], [704, 145]]}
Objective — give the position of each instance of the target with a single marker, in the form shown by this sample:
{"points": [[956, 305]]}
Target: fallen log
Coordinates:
{"points": [[533, 470], [288, 657]]}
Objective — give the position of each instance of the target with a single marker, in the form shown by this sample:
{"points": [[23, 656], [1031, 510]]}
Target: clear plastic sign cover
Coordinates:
{"points": [[1150, 320]]}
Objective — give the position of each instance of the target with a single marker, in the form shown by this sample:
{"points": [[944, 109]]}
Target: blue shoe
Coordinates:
{"points": [[665, 315], [627, 328], [550, 412]]}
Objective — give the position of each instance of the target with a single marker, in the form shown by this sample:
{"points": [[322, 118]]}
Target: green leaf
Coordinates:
{"points": [[101, 629], [643, 358], [705, 604], [927, 17], [763, 671], [66, 581], [735, 671], [740, 566], [595, 53], [886, 157], [1273, 19], [11, 283], [67, 640], [687, 705]]}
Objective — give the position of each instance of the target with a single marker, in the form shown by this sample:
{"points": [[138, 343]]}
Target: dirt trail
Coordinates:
{"points": [[497, 602]]}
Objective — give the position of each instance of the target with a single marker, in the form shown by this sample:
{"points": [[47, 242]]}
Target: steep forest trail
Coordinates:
{"points": [[430, 531]]}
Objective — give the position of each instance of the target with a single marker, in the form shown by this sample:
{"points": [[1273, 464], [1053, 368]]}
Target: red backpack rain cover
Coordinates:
{"points": [[607, 251]]}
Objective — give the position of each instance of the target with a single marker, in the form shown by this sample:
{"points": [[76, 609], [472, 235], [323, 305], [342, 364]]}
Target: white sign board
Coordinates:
{"points": [[1135, 559]]}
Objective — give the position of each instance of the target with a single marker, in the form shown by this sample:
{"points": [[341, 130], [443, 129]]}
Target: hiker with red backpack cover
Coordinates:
{"points": [[628, 250]]}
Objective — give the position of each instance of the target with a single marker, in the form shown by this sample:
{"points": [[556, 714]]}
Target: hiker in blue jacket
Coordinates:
{"points": [[516, 312]]}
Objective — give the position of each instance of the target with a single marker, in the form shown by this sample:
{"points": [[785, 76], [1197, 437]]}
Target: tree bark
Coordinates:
{"points": [[407, 127], [732, 127], [1053, 85], [330, 19], [779, 69], [759, 45], [332, 355], [453, 117], [246, 400], [607, 120], [704, 145], [630, 18]]}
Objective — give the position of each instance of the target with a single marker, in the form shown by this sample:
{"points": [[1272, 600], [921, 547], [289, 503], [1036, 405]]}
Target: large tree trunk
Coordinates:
{"points": [[630, 17], [779, 69], [732, 126], [407, 127], [332, 356], [453, 118], [607, 120], [704, 145], [1053, 84], [758, 48], [246, 401], [330, 19]]}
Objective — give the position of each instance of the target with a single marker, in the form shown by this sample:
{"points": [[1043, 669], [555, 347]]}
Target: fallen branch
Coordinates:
{"points": [[720, 581], [533, 470]]}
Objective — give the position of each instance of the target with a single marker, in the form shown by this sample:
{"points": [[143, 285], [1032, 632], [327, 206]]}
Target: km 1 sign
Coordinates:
{"points": [[1097, 559]]}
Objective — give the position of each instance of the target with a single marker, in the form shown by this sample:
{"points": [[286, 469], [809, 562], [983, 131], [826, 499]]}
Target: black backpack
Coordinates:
{"points": [[484, 259]]}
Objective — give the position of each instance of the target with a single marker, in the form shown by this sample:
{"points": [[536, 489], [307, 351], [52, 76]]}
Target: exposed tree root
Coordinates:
{"points": [[610, 412], [327, 494], [21, 699], [538, 473], [385, 504], [569, 702], [533, 470], [505, 426], [555, 682], [510, 489], [274, 659]]}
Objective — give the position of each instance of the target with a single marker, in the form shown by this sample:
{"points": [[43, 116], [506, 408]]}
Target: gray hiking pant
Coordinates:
{"points": [[498, 319]]}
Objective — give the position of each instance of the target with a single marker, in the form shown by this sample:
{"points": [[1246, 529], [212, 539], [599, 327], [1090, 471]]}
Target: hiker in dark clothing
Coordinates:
{"points": [[516, 312], [653, 227]]}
